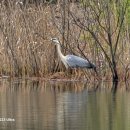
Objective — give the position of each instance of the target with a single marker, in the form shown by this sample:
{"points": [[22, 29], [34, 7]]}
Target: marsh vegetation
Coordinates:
{"points": [[96, 30]]}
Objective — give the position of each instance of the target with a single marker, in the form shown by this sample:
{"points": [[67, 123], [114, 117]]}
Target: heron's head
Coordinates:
{"points": [[55, 40]]}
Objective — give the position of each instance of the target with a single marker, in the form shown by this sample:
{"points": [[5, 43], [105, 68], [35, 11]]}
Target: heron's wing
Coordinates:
{"points": [[75, 61]]}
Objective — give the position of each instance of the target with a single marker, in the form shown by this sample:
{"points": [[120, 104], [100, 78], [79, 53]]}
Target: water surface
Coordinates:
{"points": [[38, 105]]}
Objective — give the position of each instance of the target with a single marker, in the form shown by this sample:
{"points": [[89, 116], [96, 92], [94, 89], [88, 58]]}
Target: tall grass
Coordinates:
{"points": [[26, 49]]}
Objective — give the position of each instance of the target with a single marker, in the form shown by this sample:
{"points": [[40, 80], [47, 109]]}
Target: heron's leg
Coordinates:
{"points": [[69, 73], [79, 74], [75, 73]]}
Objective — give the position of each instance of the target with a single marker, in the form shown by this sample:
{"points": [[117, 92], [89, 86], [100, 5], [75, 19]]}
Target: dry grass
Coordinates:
{"points": [[26, 50]]}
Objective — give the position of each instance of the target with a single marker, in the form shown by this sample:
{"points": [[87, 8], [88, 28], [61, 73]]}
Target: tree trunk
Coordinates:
{"points": [[115, 74]]}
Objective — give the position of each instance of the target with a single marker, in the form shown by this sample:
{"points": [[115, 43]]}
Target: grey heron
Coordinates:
{"points": [[72, 61]]}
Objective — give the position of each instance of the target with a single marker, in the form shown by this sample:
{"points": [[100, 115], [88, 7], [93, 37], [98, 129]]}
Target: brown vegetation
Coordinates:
{"points": [[95, 30]]}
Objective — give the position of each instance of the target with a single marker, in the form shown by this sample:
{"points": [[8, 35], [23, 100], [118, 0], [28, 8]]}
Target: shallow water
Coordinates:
{"points": [[62, 106]]}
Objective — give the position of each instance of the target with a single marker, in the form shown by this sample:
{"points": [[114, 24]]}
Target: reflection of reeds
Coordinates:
{"points": [[35, 104], [25, 49], [29, 86]]}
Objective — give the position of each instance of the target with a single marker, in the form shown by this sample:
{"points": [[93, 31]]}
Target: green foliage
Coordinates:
{"points": [[128, 12], [86, 37]]}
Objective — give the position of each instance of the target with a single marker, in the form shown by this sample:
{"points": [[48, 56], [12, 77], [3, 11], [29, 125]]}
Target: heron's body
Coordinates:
{"points": [[72, 61], [77, 62]]}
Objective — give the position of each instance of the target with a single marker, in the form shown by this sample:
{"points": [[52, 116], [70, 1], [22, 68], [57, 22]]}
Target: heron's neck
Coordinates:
{"points": [[62, 57], [59, 51]]}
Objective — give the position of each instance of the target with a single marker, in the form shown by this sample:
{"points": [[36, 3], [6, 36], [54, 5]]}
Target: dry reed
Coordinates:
{"points": [[26, 50]]}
